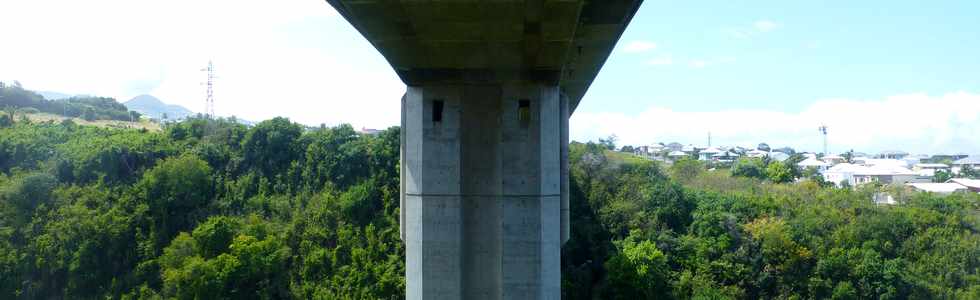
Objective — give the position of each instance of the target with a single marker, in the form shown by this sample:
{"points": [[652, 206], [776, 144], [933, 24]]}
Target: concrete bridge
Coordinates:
{"points": [[484, 157]]}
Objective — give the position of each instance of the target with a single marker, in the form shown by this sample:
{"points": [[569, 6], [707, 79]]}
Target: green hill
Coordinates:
{"points": [[85, 107]]}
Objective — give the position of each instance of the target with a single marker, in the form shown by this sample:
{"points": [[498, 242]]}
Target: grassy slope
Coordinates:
{"points": [[45, 117]]}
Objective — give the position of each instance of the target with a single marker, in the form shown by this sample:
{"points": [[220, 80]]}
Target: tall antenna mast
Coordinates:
{"points": [[209, 102], [823, 130], [709, 139]]}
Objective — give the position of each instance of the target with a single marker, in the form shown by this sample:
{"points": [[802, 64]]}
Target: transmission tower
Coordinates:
{"points": [[823, 130], [209, 101]]}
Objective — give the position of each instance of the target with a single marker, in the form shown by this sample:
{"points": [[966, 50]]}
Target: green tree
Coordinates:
{"points": [[638, 271], [686, 169], [175, 190], [941, 176], [272, 145], [89, 114], [29, 191], [779, 172], [609, 142], [969, 172], [749, 167]]}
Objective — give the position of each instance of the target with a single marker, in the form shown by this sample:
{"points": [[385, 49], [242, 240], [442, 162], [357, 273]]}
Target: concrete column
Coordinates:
{"points": [[482, 186], [566, 224]]}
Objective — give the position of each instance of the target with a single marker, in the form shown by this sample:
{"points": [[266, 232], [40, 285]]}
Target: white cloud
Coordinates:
{"points": [[639, 46], [661, 61], [765, 25], [758, 27], [916, 123], [697, 63], [704, 63], [737, 33]]}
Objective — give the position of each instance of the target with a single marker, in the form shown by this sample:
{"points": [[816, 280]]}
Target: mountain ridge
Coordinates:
{"points": [[153, 107]]}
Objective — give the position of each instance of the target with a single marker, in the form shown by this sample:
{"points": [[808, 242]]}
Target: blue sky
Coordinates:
{"points": [[881, 74], [805, 50]]}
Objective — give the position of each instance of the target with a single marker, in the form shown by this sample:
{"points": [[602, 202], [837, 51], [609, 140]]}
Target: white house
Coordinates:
{"points": [[843, 172], [813, 162], [708, 154], [778, 156], [727, 156], [688, 149], [757, 153], [929, 170], [970, 184], [885, 174], [833, 159], [972, 161], [675, 155], [939, 188]]}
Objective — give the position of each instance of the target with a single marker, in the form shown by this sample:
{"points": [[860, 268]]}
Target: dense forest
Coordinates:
{"points": [[14, 97], [216, 210]]}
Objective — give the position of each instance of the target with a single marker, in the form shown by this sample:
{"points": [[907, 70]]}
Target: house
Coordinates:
{"points": [[884, 174], [369, 131], [893, 154], [689, 149], [676, 155], [726, 156], [675, 146], [971, 184], [973, 161], [841, 173], [939, 188], [929, 170], [833, 159], [778, 156], [813, 163], [757, 153], [708, 154], [655, 148]]}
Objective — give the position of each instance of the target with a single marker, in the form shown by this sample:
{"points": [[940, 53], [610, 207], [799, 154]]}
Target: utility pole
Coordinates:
{"points": [[823, 130]]}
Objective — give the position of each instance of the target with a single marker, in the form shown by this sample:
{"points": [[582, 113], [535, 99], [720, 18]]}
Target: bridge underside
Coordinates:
{"points": [[491, 84]]}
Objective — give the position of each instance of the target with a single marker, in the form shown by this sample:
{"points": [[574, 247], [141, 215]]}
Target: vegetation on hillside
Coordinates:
{"points": [[641, 232], [86, 108], [216, 210]]}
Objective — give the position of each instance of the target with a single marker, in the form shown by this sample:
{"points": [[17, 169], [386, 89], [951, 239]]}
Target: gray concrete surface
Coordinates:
{"points": [[484, 192]]}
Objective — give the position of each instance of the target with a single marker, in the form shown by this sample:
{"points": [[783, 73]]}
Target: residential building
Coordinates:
{"points": [[675, 155], [893, 154], [973, 161], [884, 174], [971, 184], [929, 170], [939, 188], [833, 159], [813, 163], [708, 154], [757, 153], [841, 173]]}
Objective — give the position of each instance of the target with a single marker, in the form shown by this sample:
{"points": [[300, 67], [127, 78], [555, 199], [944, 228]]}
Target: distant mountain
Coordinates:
{"points": [[154, 108]]}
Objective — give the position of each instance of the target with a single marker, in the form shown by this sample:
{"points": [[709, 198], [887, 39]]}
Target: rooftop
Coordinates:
{"points": [[944, 188]]}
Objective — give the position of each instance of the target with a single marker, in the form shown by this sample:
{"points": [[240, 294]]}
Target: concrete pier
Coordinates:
{"points": [[483, 191], [484, 158]]}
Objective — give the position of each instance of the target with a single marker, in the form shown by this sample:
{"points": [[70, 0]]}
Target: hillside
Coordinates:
{"points": [[84, 107], [216, 210], [155, 108]]}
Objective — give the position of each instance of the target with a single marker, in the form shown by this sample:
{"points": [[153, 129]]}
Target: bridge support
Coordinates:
{"points": [[484, 190]]}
